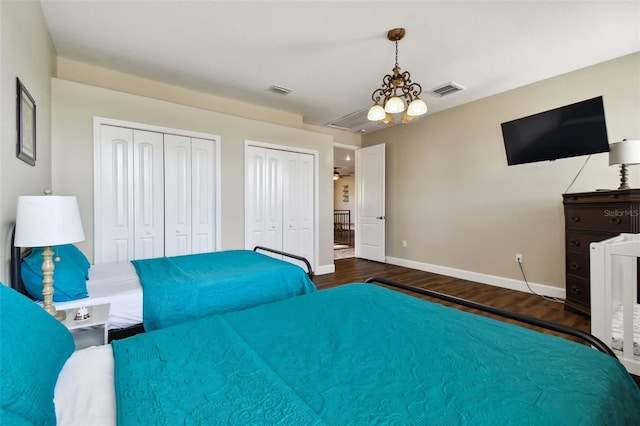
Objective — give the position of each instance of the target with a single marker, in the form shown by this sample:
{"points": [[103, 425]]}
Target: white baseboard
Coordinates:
{"points": [[325, 269], [541, 289]]}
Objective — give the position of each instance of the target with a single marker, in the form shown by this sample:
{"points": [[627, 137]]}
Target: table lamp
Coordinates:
{"points": [[625, 153], [45, 221]]}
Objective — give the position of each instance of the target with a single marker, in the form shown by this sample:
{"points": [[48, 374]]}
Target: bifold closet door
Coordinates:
{"points": [[263, 198], [297, 210], [189, 192], [129, 212], [279, 200]]}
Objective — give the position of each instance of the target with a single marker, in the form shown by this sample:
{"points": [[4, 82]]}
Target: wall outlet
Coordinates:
{"points": [[518, 258], [404, 243]]}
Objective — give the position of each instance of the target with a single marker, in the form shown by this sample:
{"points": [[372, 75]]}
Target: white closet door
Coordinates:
{"points": [[306, 207], [297, 204], [273, 198], [291, 202], [254, 198], [177, 193], [263, 198], [203, 195], [279, 201], [114, 218], [148, 194]]}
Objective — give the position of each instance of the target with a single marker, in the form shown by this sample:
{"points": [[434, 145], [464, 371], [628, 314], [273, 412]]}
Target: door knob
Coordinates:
{"points": [[380, 217]]}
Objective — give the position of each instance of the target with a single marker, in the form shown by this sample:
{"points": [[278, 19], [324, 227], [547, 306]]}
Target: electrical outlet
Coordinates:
{"points": [[404, 243], [518, 258]]}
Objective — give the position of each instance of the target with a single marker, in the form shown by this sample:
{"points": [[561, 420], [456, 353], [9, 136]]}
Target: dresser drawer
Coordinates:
{"points": [[611, 218], [578, 293], [579, 241], [578, 265]]}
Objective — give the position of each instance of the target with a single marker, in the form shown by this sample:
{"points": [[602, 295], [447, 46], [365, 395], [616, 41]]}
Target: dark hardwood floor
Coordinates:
{"points": [[357, 270]]}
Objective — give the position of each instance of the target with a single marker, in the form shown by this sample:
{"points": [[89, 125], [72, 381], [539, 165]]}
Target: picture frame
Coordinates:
{"points": [[26, 124]]}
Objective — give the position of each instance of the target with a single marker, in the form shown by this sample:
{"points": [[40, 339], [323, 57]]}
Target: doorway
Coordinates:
{"points": [[344, 201]]}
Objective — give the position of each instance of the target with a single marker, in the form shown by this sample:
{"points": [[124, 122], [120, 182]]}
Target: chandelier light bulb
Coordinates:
{"points": [[394, 105], [376, 113], [416, 108]]}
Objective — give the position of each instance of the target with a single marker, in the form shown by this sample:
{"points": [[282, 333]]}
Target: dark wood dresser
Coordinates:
{"points": [[589, 217]]}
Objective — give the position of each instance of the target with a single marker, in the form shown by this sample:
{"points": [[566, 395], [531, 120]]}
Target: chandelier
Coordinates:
{"points": [[395, 91]]}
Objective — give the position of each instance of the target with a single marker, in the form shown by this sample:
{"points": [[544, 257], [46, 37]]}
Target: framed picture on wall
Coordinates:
{"points": [[26, 123]]}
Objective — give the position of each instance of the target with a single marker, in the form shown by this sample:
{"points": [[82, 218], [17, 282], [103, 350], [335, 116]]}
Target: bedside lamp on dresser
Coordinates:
{"points": [[595, 216]]}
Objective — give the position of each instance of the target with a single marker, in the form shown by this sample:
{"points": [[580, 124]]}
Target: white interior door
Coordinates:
{"points": [[148, 191], [177, 187], [254, 198], [280, 200], [203, 196], [370, 205], [114, 195]]}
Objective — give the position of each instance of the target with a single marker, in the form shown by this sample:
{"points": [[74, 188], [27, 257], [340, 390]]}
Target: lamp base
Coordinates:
{"points": [[624, 184], [60, 315]]}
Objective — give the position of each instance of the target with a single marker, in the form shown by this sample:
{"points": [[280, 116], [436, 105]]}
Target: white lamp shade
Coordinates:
{"points": [[47, 220], [394, 105], [624, 152], [376, 113], [416, 108]]}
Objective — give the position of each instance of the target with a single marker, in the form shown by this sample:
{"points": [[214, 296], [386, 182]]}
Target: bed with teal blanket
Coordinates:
{"points": [[364, 354], [181, 288]]}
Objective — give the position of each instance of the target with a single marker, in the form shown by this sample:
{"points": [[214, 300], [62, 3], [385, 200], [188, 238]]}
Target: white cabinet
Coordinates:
{"points": [[155, 194], [279, 200]]}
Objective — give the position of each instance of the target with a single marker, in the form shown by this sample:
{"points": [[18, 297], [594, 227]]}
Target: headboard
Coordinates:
{"points": [[16, 263]]}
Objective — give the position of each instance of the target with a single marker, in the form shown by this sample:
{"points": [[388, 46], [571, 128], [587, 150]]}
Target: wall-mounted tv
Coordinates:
{"points": [[568, 131]]}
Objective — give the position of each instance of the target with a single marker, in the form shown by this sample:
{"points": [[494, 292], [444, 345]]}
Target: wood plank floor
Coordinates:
{"points": [[357, 270]]}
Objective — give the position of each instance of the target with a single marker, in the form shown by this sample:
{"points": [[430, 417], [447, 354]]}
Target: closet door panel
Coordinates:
{"points": [[148, 194], [177, 207], [290, 202], [306, 206], [273, 199], [203, 196], [114, 214], [254, 201]]}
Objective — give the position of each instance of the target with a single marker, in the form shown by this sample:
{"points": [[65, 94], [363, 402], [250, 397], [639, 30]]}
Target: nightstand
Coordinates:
{"points": [[90, 332]]}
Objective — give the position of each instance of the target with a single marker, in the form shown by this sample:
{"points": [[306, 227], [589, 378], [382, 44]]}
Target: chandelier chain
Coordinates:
{"points": [[396, 53]]}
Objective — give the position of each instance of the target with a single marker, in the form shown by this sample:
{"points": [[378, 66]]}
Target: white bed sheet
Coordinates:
{"points": [[115, 283], [85, 391]]}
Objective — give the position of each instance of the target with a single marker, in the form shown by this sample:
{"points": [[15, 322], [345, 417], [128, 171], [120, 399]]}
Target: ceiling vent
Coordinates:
{"points": [[446, 89], [355, 122], [279, 90]]}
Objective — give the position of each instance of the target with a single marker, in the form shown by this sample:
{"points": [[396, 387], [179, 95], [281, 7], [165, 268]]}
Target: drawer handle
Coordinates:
{"points": [[575, 266], [615, 221], [575, 219], [575, 243], [575, 290]]}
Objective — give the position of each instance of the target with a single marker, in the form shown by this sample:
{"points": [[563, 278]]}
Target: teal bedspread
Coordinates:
{"points": [[181, 288], [361, 354]]}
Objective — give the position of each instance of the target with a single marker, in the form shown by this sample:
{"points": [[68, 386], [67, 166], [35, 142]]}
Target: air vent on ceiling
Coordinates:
{"points": [[355, 122], [279, 90], [446, 89]]}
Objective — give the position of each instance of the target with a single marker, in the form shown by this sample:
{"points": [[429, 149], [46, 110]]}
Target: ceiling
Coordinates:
{"points": [[333, 54]]}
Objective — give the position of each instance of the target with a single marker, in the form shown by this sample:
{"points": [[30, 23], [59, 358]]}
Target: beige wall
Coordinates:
{"points": [[80, 72], [75, 105], [451, 195], [26, 51]]}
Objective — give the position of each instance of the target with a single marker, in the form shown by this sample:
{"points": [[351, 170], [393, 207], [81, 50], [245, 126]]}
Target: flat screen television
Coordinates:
{"points": [[568, 131]]}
